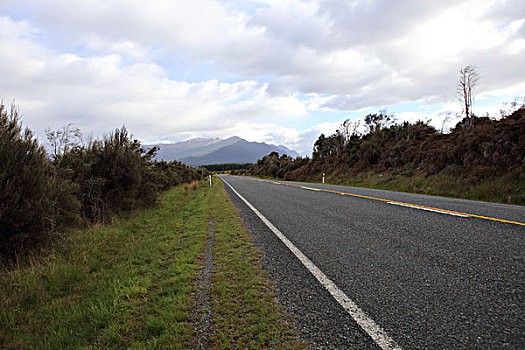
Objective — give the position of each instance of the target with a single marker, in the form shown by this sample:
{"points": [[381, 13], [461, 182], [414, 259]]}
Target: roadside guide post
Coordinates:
{"points": [[209, 176], [323, 177]]}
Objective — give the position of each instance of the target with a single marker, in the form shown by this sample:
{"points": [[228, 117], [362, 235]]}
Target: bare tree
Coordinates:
{"points": [[509, 108], [468, 79], [349, 129], [62, 140], [446, 119]]}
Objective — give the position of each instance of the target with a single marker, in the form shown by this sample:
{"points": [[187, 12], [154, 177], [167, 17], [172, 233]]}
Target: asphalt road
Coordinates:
{"points": [[429, 279]]}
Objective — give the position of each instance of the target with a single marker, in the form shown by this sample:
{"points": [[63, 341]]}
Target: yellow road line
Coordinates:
{"points": [[396, 202]]}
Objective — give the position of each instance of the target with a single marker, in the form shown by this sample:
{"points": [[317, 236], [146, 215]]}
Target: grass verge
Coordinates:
{"points": [[491, 189], [130, 284], [243, 300], [505, 189]]}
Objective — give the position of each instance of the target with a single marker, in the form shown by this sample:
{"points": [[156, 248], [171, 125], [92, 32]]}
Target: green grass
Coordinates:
{"points": [[501, 189], [243, 300], [506, 189], [130, 284]]}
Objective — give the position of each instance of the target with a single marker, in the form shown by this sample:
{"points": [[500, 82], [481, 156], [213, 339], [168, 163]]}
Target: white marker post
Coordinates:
{"points": [[209, 176], [323, 177]]}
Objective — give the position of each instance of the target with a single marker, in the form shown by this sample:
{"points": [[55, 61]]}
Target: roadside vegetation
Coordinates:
{"points": [[225, 167], [480, 158], [101, 247], [243, 299], [131, 284], [74, 183]]}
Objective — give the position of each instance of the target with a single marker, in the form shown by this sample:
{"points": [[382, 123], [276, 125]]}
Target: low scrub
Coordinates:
{"points": [[481, 158], [44, 194], [26, 183]]}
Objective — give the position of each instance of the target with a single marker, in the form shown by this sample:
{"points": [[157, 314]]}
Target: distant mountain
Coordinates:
{"points": [[191, 148], [201, 151]]}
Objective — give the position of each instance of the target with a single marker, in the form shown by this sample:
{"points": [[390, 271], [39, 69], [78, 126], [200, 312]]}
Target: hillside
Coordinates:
{"points": [[201, 151], [481, 158]]}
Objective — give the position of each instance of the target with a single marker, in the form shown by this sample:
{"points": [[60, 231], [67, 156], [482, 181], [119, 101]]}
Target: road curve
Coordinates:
{"points": [[427, 275]]}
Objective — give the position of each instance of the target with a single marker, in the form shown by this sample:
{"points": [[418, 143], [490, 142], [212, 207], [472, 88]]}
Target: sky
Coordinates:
{"points": [[275, 71]]}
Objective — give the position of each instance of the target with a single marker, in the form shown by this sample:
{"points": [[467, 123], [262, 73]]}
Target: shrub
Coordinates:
{"points": [[93, 182], [112, 174], [26, 174], [480, 147]]}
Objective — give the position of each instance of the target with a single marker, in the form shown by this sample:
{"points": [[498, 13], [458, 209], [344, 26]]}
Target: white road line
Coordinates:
{"points": [[369, 326], [428, 209], [311, 189]]}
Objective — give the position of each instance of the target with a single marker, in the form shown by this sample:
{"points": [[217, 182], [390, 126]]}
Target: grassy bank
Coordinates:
{"points": [[502, 189], [132, 284], [507, 190]]}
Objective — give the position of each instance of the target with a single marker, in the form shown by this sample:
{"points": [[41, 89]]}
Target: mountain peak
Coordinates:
{"points": [[234, 138], [201, 140], [198, 139]]}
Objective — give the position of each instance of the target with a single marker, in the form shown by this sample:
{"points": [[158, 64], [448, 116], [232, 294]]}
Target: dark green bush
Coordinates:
{"points": [[276, 166], [117, 174], [112, 176], [26, 175], [166, 175], [81, 183]]}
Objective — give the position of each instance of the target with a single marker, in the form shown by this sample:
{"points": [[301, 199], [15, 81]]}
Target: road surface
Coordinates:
{"points": [[403, 270]]}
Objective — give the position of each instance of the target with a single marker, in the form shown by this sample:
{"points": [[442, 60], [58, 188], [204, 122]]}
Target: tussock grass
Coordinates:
{"points": [[186, 189], [195, 185], [130, 284]]}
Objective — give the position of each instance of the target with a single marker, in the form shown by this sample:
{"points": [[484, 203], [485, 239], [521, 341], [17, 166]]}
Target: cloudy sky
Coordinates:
{"points": [[279, 71]]}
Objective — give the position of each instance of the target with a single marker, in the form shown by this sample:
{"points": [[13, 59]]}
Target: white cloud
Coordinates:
{"points": [[269, 63], [300, 141], [98, 93]]}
